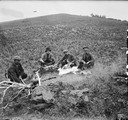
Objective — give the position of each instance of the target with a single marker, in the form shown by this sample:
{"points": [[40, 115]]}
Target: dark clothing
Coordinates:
{"points": [[87, 57], [68, 58], [47, 63], [15, 71], [47, 59], [83, 66]]}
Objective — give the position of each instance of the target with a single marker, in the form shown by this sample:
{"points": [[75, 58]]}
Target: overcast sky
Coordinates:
{"points": [[12, 10]]}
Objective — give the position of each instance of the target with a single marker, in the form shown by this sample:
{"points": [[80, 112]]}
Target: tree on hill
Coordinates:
{"points": [[98, 16]]}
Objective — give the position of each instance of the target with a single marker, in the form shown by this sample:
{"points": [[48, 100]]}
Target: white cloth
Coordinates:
{"points": [[68, 70]]}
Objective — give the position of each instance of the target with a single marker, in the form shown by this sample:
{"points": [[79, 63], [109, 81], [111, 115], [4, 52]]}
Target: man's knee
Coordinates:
{"points": [[52, 62], [63, 64], [24, 75], [41, 63], [73, 64], [91, 64], [80, 66]]}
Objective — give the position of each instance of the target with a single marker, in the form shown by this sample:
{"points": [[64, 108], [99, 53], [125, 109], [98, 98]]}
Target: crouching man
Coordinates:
{"points": [[87, 60], [47, 58], [16, 71], [67, 59]]}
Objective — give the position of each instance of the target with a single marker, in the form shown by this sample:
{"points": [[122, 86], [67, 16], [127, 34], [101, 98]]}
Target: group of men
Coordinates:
{"points": [[87, 60], [16, 72]]}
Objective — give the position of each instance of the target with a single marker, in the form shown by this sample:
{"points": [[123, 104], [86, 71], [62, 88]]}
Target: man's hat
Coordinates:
{"points": [[85, 47], [17, 58], [65, 51], [47, 49]]}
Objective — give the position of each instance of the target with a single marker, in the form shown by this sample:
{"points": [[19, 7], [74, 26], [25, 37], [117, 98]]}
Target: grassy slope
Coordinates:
{"points": [[30, 37]]}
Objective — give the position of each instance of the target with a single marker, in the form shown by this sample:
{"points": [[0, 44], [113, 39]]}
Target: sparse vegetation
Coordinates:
{"points": [[28, 38]]}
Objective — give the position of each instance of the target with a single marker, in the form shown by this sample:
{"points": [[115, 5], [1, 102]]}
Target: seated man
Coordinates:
{"points": [[87, 60], [16, 71], [47, 58], [67, 59]]}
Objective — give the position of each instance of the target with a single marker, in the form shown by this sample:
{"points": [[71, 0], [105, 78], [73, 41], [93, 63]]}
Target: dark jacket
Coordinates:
{"points": [[47, 57], [87, 57], [66, 58], [15, 71]]}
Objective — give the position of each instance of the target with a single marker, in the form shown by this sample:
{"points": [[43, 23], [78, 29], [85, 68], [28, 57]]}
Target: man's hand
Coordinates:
{"points": [[83, 61], [41, 60], [57, 65], [90, 61]]}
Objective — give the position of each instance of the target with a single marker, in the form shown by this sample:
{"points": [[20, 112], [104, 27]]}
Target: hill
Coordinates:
{"points": [[104, 36], [29, 38]]}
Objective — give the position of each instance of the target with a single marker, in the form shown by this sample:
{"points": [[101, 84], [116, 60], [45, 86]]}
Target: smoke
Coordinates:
{"points": [[106, 71], [99, 72]]}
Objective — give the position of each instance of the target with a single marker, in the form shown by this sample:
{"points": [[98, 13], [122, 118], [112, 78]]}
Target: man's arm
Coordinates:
{"points": [[60, 61], [12, 75], [43, 57], [21, 68], [82, 59], [72, 58], [52, 57], [91, 59]]}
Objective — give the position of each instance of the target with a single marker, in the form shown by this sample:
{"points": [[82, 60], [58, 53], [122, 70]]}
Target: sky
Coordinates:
{"points": [[13, 10]]}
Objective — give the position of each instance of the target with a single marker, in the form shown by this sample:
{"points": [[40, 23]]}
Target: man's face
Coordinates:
{"points": [[65, 53], [48, 51], [17, 61], [85, 49]]}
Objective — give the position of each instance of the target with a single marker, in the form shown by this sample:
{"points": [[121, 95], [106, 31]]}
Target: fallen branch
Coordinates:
{"points": [[14, 84], [9, 84], [13, 98], [38, 77], [48, 79]]}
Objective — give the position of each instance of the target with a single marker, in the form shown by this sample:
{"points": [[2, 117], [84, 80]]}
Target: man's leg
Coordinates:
{"points": [[90, 65], [23, 75], [81, 65], [73, 64], [50, 63], [63, 64], [18, 81]]}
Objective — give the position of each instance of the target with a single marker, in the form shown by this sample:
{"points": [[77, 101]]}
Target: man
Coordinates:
{"points": [[47, 58], [67, 59], [87, 60], [16, 71]]}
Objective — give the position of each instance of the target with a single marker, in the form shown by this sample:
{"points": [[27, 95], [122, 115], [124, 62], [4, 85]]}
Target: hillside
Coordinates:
{"points": [[104, 36], [29, 37]]}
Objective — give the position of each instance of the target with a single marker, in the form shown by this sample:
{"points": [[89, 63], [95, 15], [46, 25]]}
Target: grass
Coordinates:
{"points": [[104, 37], [37, 117]]}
